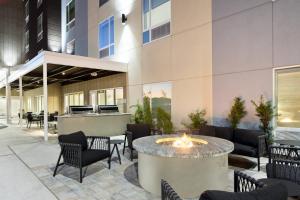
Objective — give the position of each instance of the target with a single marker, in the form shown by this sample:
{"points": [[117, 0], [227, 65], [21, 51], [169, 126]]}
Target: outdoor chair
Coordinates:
{"points": [[245, 183], [80, 151], [135, 131], [286, 173], [284, 153], [167, 192], [30, 119]]}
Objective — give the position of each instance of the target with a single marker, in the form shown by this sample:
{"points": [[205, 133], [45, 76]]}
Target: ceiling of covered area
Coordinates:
{"points": [[60, 74]]}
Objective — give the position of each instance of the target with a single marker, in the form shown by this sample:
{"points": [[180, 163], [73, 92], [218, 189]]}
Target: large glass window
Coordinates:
{"points": [[73, 99], [288, 97], [156, 19], [40, 27], [39, 103], [112, 96], [106, 38], [160, 96], [70, 15]]}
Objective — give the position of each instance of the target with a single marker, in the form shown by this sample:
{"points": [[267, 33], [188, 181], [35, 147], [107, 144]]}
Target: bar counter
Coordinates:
{"points": [[108, 124]]}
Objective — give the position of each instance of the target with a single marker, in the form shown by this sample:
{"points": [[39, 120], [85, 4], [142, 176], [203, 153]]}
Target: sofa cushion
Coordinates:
{"points": [[224, 132], [292, 187], [244, 150], [90, 156], [247, 137], [75, 138], [207, 130], [274, 192]]}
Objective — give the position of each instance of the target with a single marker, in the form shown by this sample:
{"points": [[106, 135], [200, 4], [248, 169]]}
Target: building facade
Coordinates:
{"points": [[42, 27]]}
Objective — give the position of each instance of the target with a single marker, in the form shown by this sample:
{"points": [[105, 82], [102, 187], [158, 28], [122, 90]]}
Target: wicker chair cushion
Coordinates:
{"points": [[224, 133], [274, 192], [91, 156], [244, 150], [292, 187], [247, 137], [75, 138], [139, 130]]}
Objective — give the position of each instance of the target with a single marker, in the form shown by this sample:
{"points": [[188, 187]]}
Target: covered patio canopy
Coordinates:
{"points": [[63, 62]]}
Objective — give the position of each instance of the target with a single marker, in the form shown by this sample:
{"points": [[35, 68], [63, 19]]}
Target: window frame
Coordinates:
{"points": [[27, 41], [40, 34], [109, 44], [68, 43], [39, 3], [71, 23], [151, 28], [27, 12]]}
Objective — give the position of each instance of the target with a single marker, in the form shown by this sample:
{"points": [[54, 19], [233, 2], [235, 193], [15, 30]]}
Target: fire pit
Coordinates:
{"points": [[191, 164]]}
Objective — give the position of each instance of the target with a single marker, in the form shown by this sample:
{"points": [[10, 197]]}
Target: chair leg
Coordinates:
{"points": [[258, 163], [109, 162], [57, 164], [131, 154], [80, 174], [124, 145]]}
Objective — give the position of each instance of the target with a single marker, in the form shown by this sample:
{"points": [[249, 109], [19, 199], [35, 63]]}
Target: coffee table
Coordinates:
{"points": [[115, 143]]}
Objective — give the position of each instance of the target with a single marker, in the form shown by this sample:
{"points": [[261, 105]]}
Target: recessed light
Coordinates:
{"points": [[94, 74], [63, 73]]}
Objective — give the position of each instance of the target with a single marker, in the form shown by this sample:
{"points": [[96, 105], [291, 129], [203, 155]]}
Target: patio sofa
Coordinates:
{"points": [[250, 143]]}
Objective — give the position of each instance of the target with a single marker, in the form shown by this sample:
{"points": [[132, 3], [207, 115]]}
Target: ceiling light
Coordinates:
{"points": [[124, 19], [94, 74], [63, 73]]}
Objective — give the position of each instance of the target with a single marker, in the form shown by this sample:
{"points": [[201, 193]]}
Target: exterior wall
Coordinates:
{"points": [[250, 39], [51, 27], [54, 97], [11, 33], [79, 31], [184, 58]]}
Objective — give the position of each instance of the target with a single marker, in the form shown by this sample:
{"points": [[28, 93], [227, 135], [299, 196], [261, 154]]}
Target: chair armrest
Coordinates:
{"points": [[262, 145], [167, 192], [129, 136], [98, 142], [245, 183], [72, 154]]}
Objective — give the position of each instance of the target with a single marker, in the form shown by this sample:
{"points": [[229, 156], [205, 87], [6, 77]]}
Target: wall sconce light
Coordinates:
{"points": [[124, 19]]}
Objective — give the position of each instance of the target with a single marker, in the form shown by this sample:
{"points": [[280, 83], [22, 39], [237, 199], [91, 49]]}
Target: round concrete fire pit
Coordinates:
{"points": [[199, 165]]}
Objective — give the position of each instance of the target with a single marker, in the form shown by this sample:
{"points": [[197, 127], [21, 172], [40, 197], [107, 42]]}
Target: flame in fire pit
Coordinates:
{"points": [[183, 141]]}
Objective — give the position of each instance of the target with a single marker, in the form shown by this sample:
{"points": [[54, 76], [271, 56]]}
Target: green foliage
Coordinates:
{"points": [[265, 112], [164, 122], [197, 120], [147, 111], [237, 112], [138, 116]]}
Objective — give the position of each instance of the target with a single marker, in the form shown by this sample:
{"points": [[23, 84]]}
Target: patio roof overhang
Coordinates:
{"points": [[61, 59]]}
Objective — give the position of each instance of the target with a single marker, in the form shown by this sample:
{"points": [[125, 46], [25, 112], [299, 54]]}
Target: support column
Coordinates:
{"points": [[8, 98], [45, 89], [21, 101]]}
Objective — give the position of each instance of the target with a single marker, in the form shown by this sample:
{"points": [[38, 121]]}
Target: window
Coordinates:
{"points": [[39, 104], [27, 11], [29, 105], [39, 2], [26, 41], [160, 95], [71, 47], [40, 27], [102, 2], [156, 19], [73, 99], [287, 97], [106, 38], [70, 14]]}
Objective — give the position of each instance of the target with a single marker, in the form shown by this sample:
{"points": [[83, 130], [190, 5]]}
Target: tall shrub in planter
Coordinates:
{"points": [[265, 112], [237, 112], [138, 116], [147, 111], [164, 122], [196, 120]]}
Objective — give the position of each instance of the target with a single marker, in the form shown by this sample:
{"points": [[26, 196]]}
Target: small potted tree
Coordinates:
{"points": [[237, 112], [265, 112], [196, 121]]}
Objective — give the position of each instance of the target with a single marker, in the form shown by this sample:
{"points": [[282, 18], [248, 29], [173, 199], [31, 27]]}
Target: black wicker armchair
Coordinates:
{"points": [[80, 151], [245, 183], [284, 153], [167, 192], [135, 131]]}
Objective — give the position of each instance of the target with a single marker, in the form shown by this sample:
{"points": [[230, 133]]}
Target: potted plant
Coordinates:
{"points": [[196, 120], [147, 113], [138, 116], [163, 121], [237, 112], [265, 112]]}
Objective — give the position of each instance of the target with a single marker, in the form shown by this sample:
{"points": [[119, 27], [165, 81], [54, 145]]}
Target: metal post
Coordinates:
{"points": [[21, 101], [45, 97], [8, 98]]}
